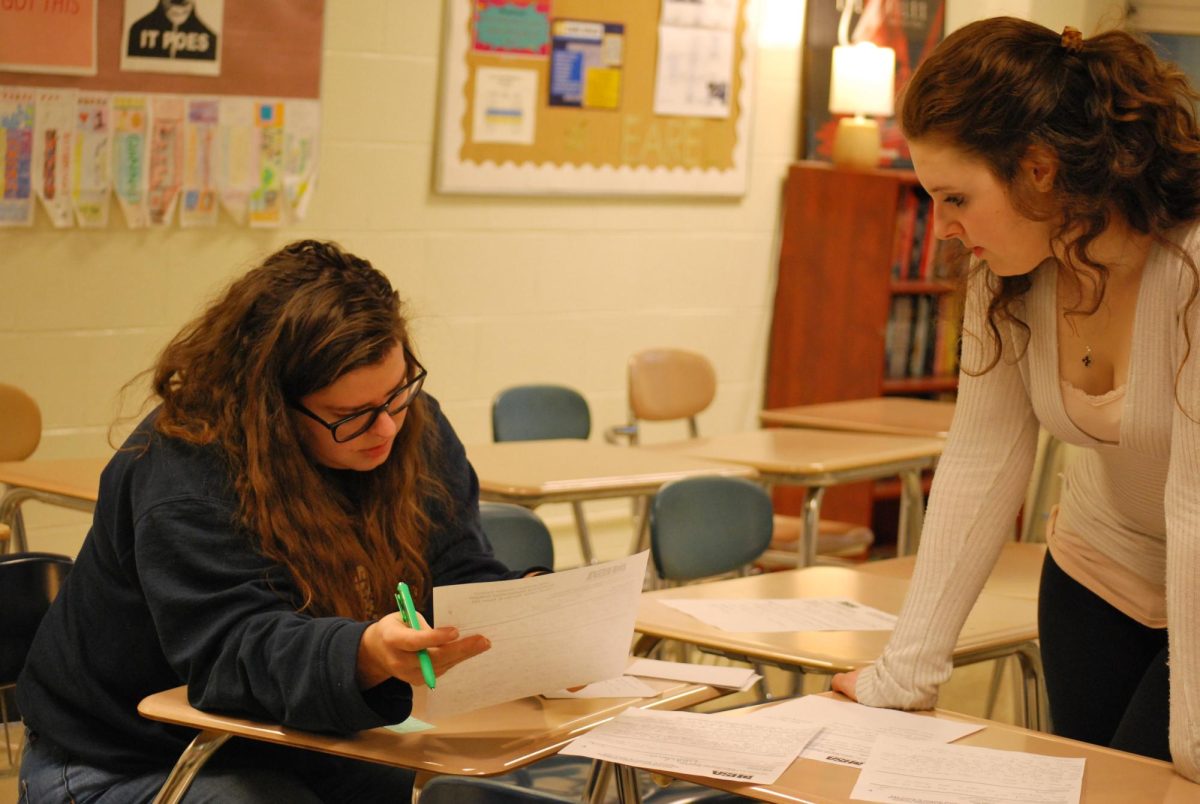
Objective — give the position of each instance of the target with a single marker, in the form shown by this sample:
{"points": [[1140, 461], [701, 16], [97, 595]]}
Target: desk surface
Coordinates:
{"points": [[69, 477], [1109, 777], [480, 743], [800, 453], [894, 415], [995, 621], [561, 470], [1017, 573]]}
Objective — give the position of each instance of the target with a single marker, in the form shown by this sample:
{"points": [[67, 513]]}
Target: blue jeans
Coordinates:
{"points": [[248, 773]]}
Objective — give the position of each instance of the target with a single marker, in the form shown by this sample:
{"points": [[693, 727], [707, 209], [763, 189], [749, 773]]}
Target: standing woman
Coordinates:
{"points": [[247, 542], [1070, 168]]}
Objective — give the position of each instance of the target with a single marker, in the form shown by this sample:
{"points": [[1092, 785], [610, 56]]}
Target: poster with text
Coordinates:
{"points": [[173, 36], [512, 27], [585, 64], [48, 36]]}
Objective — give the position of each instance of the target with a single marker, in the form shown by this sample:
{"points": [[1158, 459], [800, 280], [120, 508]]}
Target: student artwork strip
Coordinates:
{"points": [[256, 158]]}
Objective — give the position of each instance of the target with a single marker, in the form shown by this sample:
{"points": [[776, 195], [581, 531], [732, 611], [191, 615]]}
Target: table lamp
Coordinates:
{"points": [[861, 84]]}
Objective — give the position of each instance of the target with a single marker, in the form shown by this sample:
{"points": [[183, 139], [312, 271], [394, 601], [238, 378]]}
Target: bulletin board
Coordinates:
{"points": [[624, 137]]}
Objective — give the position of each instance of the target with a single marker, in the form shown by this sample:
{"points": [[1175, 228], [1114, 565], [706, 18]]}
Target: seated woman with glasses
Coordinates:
{"points": [[247, 542]]}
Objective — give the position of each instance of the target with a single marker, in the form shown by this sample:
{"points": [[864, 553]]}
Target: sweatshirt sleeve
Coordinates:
{"points": [[1182, 508], [221, 614], [978, 488]]}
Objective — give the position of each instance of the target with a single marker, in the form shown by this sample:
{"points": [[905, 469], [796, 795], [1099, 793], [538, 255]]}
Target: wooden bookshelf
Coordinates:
{"points": [[847, 252]]}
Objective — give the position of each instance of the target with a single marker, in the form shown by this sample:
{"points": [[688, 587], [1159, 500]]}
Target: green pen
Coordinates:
{"points": [[408, 611]]}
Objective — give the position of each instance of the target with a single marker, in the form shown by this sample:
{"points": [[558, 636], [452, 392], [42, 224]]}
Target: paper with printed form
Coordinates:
{"points": [[906, 771], [547, 632], [700, 745], [622, 687], [736, 678], [786, 614], [849, 730]]}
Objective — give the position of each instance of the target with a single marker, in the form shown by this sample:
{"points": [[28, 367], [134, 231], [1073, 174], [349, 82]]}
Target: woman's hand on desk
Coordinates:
{"points": [[388, 649], [846, 684]]}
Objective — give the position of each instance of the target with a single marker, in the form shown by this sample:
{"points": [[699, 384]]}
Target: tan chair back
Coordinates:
{"points": [[20, 424], [669, 384]]}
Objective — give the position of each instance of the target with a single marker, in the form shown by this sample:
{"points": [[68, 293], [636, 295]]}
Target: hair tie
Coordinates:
{"points": [[1072, 39]]}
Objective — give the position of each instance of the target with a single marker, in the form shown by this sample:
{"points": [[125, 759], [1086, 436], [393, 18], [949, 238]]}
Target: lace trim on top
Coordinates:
{"points": [[1099, 416]]}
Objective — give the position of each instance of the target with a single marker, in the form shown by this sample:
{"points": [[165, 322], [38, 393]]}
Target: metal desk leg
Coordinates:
{"points": [[597, 782], [190, 762], [807, 547], [585, 541], [912, 512], [627, 785], [1037, 709]]}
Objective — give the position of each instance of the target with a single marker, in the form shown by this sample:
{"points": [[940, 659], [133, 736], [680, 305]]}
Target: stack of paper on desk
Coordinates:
{"points": [[636, 681], [547, 632], [785, 614]]}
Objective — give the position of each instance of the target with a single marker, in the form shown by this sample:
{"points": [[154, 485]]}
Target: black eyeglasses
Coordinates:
{"points": [[350, 427]]}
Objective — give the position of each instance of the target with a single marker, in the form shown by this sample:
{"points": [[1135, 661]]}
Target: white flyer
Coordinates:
{"points": [[737, 749], [785, 614], [547, 632]]}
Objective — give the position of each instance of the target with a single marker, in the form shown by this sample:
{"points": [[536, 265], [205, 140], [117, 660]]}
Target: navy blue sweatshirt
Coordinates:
{"points": [[166, 591]]}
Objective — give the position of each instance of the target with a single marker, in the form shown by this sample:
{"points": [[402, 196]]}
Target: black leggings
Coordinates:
{"points": [[1106, 673]]}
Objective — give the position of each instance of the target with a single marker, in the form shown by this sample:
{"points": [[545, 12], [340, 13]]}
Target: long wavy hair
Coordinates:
{"points": [[308, 315], [1119, 120]]}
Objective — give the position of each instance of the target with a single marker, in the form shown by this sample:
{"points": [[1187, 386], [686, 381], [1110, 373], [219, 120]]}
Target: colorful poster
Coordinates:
{"points": [[16, 146], [48, 36], [585, 64], [199, 163], [54, 131], [91, 159], [505, 106], [173, 36], [237, 157], [300, 154], [512, 27], [130, 124], [165, 164], [266, 199]]}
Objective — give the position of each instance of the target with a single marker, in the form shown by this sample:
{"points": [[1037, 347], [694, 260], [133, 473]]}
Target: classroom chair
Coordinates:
{"points": [[29, 582], [671, 384], [518, 536], [20, 433], [539, 413]]}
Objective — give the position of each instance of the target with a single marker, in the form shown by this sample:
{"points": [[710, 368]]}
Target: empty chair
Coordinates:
{"points": [[540, 413], [518, 536], [20, 433], [29, 582], [705, 526], [665, 385]]}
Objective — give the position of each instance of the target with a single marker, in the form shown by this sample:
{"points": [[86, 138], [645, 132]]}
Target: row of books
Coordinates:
{"points": [[923, 336], [917, 254]]}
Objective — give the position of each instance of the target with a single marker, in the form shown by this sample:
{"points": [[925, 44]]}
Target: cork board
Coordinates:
{"points": [[619, 134]]}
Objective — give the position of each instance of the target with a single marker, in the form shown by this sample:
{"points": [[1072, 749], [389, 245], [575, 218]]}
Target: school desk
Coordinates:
{"points": [[998, 626], [891, 415], [1109, 776], [533, 473], [818, 459], [485, 742], [69, 483], [1017, 573]]}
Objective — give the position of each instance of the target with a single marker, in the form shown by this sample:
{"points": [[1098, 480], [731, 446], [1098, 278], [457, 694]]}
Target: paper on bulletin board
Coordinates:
{"points": [[694, 74], [173, 37], [54, 129], [512, 27], [166, 159], [505, 105], [16, 150], [91, 160], [266, 199], [301, 131], [198, 203], [585, 64], [131, 122], [58, 37]]}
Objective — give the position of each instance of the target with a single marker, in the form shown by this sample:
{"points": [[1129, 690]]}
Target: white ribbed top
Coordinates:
{"points": [[1137, 502]]}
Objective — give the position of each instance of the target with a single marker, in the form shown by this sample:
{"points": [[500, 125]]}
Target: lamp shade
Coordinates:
{"points": [[863, 80]]}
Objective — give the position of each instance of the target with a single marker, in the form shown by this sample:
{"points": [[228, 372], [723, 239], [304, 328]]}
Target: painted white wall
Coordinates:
{"points": [[502, 290], [1088, 16]]}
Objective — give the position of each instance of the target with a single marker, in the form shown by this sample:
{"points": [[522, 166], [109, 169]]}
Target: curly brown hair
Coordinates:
{"points": [[1119, 121], [307, 315]]}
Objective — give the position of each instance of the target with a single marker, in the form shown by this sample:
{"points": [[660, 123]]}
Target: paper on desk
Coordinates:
{"points": [[695, 744], [850, 730], [786, 614], [547, 632], [905, 771], [621, 687], [736, 678]]}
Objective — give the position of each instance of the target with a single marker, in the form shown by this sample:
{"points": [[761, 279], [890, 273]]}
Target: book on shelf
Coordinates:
{"points": [[898, 337], [906, 226], [922, 336]]}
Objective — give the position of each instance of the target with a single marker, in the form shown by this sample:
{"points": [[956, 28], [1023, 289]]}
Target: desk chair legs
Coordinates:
{"points": [[812, 526], [585, 539], [912, 513], [190, 762]]}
